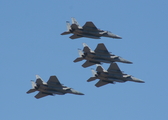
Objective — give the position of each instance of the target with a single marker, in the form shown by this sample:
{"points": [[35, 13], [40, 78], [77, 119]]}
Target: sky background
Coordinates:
{"points": [[30, 44]]}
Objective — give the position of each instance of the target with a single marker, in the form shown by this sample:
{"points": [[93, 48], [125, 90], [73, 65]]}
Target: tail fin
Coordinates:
{"points": [[100, 68], [33, 84], [86, 48], [74, 21], [68, 29], [68, 26], [39, 80], [94, 74], [33, 87], [81, 56], [91, 79]]}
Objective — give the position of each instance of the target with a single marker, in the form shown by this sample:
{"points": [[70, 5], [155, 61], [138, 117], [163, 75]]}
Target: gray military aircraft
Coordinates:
{"points": [[89, 30], [112, 75], [52, 87], [100, 54]]}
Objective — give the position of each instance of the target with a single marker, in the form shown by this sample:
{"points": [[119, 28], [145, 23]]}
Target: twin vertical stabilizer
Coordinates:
{"points": [[74, 21], [33, 87], [68, 29], [94, 74]]}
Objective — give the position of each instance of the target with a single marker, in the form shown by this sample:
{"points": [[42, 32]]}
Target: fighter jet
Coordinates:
{"points": [[52, 87], [100, 54], [112, 75], [89, 30]]}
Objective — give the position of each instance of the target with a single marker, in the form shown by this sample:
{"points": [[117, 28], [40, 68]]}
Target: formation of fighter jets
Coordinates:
{"points": [[96, 57]]}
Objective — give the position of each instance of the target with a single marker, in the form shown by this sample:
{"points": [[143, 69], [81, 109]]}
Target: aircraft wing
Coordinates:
{"points": [[101, 49], [40, 95], [100, 83], [75, 36], [53, 81], [114, 69], [88, 63], [90, 26]]}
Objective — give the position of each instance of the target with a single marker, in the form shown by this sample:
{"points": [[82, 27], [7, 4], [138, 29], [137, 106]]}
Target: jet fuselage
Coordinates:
{"points": [[94, 34], [56, 90], [104, 58], [116, 77]]}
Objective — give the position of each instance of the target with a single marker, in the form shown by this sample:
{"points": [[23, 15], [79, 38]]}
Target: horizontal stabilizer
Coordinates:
{"points": [[65, 33], [91, 79], [78, 59], [31, 90], [100, 83]]}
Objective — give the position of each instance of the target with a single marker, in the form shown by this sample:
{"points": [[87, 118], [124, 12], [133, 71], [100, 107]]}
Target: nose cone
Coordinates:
{"points": [[137, 80], [129, 62], [79, 93], [118, 37], [109, 34], [120, 59], [76, 92]]}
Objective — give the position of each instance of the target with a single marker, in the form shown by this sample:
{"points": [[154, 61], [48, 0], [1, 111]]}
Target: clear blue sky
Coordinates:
{"points": [[30, 44]]}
